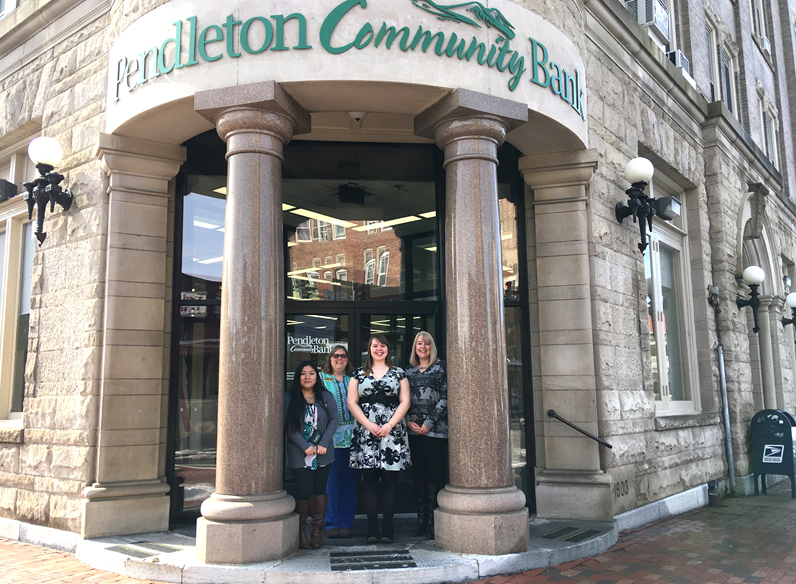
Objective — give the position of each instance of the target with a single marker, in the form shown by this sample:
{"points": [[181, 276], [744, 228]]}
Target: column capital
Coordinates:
{"points": [[141, 158], [463, 104], [559, 169], [264, 107]]}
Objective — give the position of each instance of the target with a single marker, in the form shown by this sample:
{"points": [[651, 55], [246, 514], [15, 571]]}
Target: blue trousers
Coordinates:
{"points": [[342, 491]]}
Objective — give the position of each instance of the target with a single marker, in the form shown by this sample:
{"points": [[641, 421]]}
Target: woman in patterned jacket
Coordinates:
{"points": [[427, 421]]}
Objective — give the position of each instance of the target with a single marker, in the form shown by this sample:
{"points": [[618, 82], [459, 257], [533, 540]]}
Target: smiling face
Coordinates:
{"points": [[423, 349], [308, 376], [379, 351], [339, 361]]}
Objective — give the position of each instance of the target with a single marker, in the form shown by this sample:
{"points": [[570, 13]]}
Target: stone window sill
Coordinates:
{"points": [[675, 421], [11, 431]]}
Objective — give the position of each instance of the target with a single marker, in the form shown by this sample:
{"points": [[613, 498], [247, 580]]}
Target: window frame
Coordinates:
{"points": [[384, 261], [770, 132], [13, 218], [674, 235]]}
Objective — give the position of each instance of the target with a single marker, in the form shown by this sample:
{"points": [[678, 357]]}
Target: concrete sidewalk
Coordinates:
{"points": [[750, 539]]}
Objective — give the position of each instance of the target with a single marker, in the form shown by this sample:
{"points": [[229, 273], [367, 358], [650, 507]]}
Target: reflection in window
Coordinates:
{"points": [[393, 227], [303, 232], [23, 318], [384, 263]]}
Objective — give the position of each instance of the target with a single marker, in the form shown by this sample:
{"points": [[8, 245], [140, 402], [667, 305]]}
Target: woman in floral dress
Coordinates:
{"points": [[378, 398]]}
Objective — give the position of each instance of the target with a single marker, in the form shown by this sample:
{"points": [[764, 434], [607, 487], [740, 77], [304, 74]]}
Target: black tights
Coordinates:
{"points": [[388, 491]]}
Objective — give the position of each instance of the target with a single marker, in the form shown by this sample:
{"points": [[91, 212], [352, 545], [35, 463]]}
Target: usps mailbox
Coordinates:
{"points": [[773, 437]]}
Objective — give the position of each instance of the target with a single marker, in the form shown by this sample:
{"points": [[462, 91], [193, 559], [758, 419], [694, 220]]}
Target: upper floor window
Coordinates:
{"points": [[758, 18], [770, 125], [7, 6]]}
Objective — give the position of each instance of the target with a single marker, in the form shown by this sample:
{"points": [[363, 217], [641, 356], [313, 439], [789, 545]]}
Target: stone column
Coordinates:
{"points": [[766, 355], [129, 492], [480, 511], [571, 484], [250, 518]]}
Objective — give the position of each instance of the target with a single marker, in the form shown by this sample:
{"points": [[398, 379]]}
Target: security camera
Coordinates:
{"points": [[357, 116]]}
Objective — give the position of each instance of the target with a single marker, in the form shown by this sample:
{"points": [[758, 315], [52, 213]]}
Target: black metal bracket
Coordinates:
{"points": [[553, 414]]}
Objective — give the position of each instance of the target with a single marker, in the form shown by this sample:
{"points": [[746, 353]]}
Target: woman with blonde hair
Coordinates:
{"points": [[427, 420], [378, 398], [342, 485]]}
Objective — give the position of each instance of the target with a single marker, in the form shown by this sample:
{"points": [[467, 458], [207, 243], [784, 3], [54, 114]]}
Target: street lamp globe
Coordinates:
{"points": [[754, 275], [639, 170], [790, 300], [44, 150]]}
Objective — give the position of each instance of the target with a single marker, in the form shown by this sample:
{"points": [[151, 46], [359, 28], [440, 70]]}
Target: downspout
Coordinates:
{"points": [[713, 299]]}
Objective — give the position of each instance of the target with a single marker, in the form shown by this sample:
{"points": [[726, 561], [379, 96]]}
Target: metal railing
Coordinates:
{"points": [[553, 414]]}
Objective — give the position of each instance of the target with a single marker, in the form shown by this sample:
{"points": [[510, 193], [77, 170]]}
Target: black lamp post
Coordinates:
{"points": [[638, 173], [753, 276], [45, 188]]}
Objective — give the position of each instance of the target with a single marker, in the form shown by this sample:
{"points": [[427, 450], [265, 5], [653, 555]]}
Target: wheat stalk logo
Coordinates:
{"points": [[492, 17]]}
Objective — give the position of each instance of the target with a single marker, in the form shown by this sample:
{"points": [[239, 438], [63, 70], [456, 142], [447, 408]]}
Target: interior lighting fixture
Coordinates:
{"points": [[46, 154], [641, 206], [384, 224], [753, 276]]}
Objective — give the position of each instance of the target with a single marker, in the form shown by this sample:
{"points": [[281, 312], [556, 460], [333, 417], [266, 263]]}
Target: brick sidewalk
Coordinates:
{"points": [[749, 539], [22, 563]]}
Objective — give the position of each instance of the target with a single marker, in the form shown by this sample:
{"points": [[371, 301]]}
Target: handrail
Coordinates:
{"points": [[553, 414]]}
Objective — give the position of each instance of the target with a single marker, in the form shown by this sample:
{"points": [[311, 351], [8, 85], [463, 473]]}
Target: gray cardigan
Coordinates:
{"points": [[327, 424]]}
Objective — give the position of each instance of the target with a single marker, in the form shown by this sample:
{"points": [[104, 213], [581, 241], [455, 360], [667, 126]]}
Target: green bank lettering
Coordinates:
{"points": [[281, 33]]}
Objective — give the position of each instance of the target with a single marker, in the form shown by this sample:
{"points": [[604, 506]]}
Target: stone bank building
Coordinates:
{"points": [[256, 182]]}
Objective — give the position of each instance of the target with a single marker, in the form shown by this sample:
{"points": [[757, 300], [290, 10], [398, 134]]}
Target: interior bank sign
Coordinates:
{"points": [[515, 54]]}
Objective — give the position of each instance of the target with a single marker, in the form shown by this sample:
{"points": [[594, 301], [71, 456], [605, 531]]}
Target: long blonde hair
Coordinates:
{"points": [[367, 368], [432, 358]]}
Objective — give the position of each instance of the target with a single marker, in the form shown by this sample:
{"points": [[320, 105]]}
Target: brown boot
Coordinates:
{"points": [[303, 510], [318, 505]]}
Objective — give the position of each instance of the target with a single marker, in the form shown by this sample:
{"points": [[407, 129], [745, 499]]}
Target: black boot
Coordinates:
{"points": [[421, 500], [433, 489], [373, 530], [387, 533]]}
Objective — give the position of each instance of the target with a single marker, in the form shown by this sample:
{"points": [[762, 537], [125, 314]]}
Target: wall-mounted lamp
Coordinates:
{"points": [[790, 300], [45, 153], [638, 173], [753, 276]]}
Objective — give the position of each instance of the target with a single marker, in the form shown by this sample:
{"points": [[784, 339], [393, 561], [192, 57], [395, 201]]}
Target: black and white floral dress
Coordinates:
{"points": [[367, 450]]}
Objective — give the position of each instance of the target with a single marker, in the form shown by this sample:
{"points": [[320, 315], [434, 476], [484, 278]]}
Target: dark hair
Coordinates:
{"points": [[295, 409], [327, 367], [368, 367]]}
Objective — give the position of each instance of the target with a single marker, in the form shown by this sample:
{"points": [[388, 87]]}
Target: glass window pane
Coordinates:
{"points": [[673, 328], [653, 323], [516, 395], [508, 243], [197, 399], [23, 318], [203, 243], [310, 337], [383, 227]]}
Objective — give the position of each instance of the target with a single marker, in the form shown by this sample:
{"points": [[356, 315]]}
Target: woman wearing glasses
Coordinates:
{"points": [[342, 485], [427, 421], [378, 398]]}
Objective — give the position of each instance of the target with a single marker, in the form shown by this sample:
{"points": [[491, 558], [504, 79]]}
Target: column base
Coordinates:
{"points": [[585, 495], [489, 522], [109, 517], [247, 542]]}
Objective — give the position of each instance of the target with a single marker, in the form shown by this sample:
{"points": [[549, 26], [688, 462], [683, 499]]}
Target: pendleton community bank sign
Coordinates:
{"points": [[468, 32]]}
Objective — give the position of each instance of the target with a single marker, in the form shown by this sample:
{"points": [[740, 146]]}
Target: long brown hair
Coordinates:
{"points": [[367, 368], [327, 367]]}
